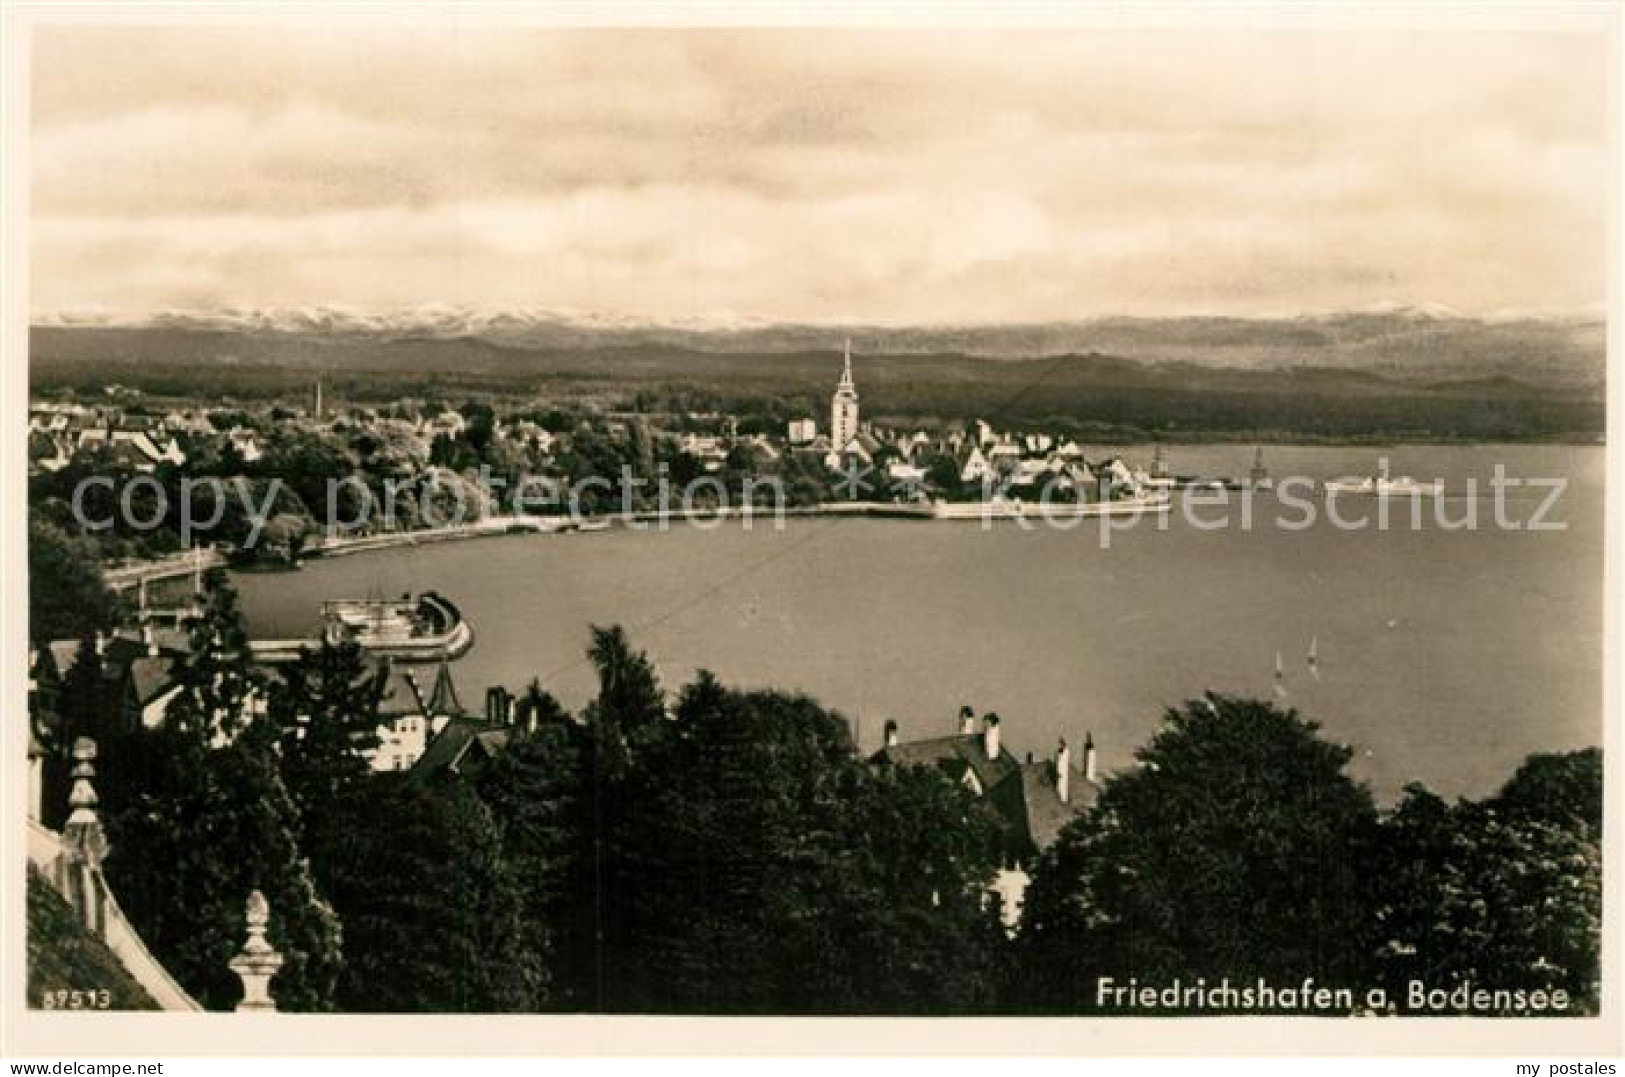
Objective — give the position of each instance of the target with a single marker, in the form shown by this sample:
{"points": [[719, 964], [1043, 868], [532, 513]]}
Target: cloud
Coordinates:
{"points": [[927, 176]]}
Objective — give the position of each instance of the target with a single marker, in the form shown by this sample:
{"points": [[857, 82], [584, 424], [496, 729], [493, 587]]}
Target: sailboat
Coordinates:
{"points": [[1280, 672], [1314, 657]]}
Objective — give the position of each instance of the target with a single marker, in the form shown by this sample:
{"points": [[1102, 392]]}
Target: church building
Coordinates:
{"points": [[846, 439]]}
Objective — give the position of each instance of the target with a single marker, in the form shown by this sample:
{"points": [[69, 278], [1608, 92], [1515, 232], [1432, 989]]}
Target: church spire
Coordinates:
{"points": [[843, 410]]}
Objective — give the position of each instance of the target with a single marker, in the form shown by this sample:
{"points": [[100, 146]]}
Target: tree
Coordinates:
{"points": [[1231, 851], [538, 707], [217, 682], [325, 711], [537, 792], [432, 913], [194, 830], [1476, 893], [752, 864], [257, 834], [942, 472], [1562, 789], [67, 598], [630, 702]]}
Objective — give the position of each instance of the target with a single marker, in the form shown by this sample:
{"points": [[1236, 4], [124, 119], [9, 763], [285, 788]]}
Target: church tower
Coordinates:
{"points": [[843, 407]]}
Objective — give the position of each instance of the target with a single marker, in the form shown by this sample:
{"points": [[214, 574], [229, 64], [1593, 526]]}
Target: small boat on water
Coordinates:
{"points": [[1384, 485]]}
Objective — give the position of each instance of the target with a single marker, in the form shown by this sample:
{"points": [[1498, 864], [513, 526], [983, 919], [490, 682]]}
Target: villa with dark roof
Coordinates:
{"points": [[1035, 799]]}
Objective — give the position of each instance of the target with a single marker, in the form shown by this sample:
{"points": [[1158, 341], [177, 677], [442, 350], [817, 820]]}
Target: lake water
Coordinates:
{"points": [[1444, 656]]}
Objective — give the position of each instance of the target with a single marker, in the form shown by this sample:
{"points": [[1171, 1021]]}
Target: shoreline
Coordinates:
{"points": [[127, 576]]}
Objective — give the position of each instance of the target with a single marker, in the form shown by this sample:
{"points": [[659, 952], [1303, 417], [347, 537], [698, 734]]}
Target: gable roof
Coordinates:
{"points": [[1025, 795], [459, 744], [1032, 803], [955, 754], [151, 677]]}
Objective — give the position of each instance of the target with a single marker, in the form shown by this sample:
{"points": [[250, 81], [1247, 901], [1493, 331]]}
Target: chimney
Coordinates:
{"points": [[149, 640], [891, 733], [990, 735], [1089, 757], [497, 705], [1063, 772], [967, 721]]}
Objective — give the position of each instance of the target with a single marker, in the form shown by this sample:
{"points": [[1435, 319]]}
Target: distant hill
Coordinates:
{"points": [[1192, 385], [1403, 343]]}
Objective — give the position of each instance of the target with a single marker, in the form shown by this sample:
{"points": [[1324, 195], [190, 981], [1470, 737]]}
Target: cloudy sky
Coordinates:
{"points": [[941, 176]]}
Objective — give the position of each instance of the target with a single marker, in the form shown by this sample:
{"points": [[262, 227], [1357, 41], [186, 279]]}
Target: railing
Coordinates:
{"points": [[47, 852]]}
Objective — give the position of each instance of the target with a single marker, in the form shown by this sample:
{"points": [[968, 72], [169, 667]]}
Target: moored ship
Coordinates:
{"points": [[422, 628], [1384, 485]]}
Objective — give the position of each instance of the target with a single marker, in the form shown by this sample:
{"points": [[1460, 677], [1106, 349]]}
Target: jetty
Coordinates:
{"points": [[428, 628]]}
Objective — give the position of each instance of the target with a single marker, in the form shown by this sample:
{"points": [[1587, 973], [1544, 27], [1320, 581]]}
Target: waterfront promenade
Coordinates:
{"points": [[132, 574]]}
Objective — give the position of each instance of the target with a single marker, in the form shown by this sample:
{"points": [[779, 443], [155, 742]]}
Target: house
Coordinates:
{"points": [[858, 452], [403, 721], [975, 467], [410, 719], [1004, 455], [48, 452], [818, 447], [139, 675], [906, 474], [245, 442], [448, 422], [189, 422], [801, 431], [137, 447], [1034, 800], [462, 747], [762, 446], [708, 450], [525, 432], [1032, 472]]}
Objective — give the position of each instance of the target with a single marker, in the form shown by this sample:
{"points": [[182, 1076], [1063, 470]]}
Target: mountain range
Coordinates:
{"points": [[1406, 343]]}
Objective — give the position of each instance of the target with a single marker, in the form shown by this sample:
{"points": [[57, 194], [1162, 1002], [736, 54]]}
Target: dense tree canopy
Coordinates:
{"points": [[753, 865], [1495, 894], [1231, 851], [66, 596], [432, 910]]}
